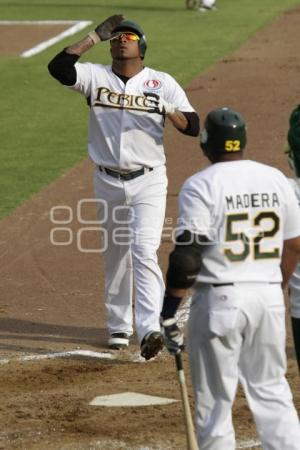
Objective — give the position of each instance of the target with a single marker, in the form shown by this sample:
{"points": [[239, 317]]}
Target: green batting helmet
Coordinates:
{"points": [[293, 138], [128, 25], [224, 132]]}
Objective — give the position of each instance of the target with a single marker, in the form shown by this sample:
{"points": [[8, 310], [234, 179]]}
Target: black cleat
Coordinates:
{"points": [[118, 341]]}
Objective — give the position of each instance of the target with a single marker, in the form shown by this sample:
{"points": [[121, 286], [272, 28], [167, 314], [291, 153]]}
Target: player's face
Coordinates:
{"points": [[125, 46]]}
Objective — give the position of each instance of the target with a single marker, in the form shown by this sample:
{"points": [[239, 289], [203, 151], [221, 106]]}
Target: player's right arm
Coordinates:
{"points": [[62, 66]]}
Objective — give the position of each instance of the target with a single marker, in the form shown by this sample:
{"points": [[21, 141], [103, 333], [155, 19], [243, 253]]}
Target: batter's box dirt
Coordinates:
{"points": [[47, 406]]}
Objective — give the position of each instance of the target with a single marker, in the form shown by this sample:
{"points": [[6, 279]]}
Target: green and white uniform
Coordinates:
{"points": [[236, 329]]}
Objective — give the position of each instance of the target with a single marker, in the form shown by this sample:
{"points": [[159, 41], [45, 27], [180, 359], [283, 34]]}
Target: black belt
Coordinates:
{"points": [[127, 175], [232, 284]]}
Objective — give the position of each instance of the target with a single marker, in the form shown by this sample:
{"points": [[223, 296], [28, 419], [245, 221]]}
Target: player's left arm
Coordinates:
{"points": [[290, 258], [186, 122], [184, 117], [184, 264], [174, 104], [291, 234]]}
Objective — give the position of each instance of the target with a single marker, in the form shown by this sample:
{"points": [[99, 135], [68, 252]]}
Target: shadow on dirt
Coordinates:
{"points": [[12, 330]]}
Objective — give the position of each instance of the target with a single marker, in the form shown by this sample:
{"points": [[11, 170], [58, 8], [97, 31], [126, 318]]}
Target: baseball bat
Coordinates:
{"points": [[189, 426]]}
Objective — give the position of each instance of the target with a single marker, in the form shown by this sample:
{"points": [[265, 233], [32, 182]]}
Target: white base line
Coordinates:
{"points": [[37, 22], [135, 357], [77, 26], [248, 444], [85, 353]]}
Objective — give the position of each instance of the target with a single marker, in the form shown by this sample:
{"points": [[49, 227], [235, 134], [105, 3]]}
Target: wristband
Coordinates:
{"points": [[94, 36], [170, 306]]}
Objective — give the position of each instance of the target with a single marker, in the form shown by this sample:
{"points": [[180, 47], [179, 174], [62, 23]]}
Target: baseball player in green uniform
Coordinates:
{"points": [[293, 152], [129, 105], [238, 243]]}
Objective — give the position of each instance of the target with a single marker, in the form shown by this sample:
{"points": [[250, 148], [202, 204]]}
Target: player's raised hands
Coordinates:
{"points": [[105, 28]]}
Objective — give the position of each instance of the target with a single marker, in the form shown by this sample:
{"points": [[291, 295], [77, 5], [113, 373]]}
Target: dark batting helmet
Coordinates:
{"points": [[224, 132], [293, 138], [128, 25]]}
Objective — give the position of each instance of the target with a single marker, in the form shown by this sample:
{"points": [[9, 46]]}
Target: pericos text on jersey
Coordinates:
{"points": [[107, 98]]}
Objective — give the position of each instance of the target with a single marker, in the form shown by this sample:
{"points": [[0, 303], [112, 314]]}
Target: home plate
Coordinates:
{"points": [[130, 399]]}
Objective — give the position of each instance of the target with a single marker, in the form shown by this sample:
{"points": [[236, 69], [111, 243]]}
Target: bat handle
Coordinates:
{"points": [[190, 433], [178, 361]]}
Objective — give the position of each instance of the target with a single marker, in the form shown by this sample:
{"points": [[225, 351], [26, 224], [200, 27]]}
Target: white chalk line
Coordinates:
{"points": [[4, 361], [248, 444], [37, 22], [133, 357], [43, 45], [75, 28]]}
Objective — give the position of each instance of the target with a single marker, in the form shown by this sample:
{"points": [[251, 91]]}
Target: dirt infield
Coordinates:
{"points": [[51, 298], [15, 39]]}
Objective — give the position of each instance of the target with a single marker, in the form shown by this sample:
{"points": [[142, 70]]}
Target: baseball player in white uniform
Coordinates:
{"points": [[238, 242], [293, 151], [201, 5], [129, 104]]}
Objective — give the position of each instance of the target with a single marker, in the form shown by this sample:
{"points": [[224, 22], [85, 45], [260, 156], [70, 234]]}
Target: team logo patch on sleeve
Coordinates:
{"points": [[152, 85]]}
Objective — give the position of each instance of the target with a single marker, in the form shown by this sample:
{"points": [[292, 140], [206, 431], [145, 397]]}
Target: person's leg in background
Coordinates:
{"points": [[207, 5]]}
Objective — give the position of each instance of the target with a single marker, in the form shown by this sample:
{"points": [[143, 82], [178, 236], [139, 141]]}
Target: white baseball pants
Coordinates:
{"points": [[237, 333], [133, 216]]}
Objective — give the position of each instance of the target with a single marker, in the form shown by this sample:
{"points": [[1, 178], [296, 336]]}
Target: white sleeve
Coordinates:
{"points": [[83, 78], [195, 211], [175, 94], [292, 217]]}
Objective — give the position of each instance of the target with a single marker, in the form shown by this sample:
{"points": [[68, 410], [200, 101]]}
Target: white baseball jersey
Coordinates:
{"points": [[294, 282], [246, 210], [122, 133]]}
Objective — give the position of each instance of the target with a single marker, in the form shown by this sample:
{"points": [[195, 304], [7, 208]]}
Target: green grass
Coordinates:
{"points": [[44, 126]]}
